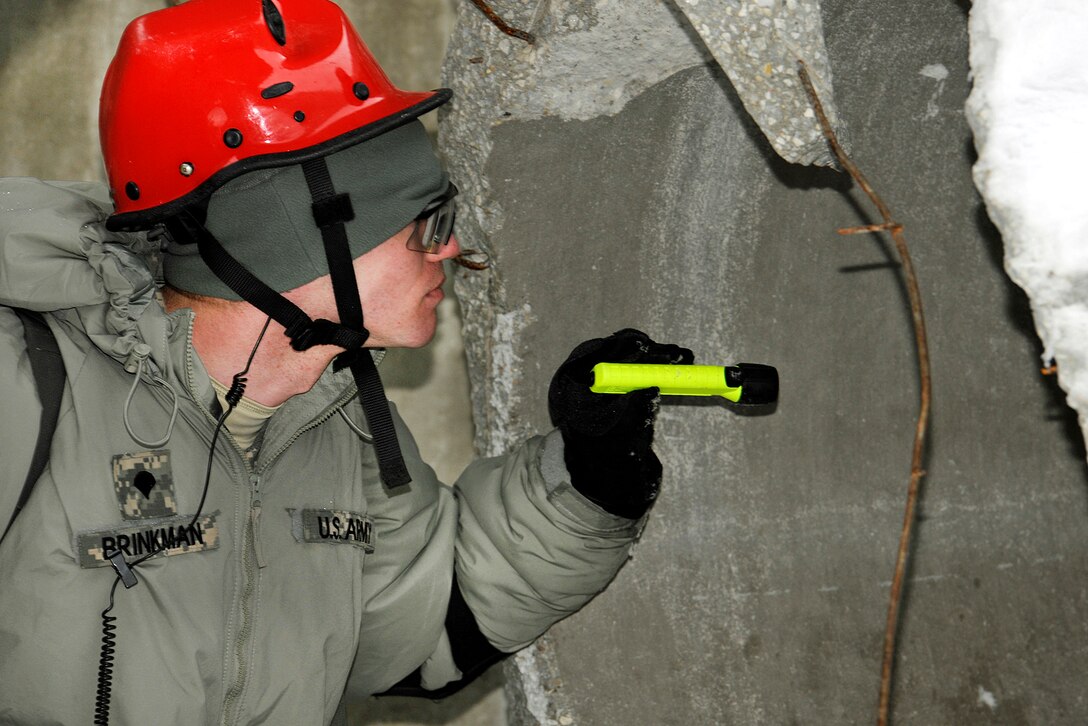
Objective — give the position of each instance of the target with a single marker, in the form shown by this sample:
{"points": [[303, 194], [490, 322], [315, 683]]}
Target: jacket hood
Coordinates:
{"points": [[56, 255]]}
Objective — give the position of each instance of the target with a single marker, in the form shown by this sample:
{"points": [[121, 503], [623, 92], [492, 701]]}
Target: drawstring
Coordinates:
{"points": [[355, 427], [140, 354]]}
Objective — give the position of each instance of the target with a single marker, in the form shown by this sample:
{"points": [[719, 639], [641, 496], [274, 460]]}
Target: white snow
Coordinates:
{"points": [[1029, 113]]}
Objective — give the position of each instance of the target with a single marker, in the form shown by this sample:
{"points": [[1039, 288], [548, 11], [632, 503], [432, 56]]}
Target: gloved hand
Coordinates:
{"points": [[607, 437]]}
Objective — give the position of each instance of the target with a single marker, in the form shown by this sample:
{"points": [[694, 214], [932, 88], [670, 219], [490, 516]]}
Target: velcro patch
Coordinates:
{"points": [[144, 484], [136, 540], [332, 526]]}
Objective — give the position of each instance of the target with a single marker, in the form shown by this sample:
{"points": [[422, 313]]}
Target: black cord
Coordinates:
{"points": [[109, 639], [238, 386], [105, 663]]}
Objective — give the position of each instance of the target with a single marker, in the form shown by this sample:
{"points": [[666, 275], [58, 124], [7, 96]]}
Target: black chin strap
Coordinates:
{"points": [[331, 212], [304, 332]]}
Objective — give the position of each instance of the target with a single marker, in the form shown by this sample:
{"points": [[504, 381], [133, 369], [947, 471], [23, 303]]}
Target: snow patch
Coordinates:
{"points": [[1027, 111]]}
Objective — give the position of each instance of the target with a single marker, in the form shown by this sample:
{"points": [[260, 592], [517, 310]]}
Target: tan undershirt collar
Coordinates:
{"points": [[247, 419]]}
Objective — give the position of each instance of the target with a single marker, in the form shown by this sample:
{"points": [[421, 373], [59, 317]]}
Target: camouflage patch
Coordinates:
{"points": [[137, 540], [144, 484], [332, 526]]}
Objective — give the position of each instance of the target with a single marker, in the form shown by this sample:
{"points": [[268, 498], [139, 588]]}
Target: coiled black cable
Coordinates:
{"points": [[105, 664], [104, 689]]}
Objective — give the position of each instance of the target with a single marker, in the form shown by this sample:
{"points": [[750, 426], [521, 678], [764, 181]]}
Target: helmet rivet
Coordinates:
{"points": [[186, 169], [300, 116], [361, 91], [132, 191], [232, 138]]}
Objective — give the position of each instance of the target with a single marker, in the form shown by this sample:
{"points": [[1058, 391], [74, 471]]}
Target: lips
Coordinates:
{"points": [[436, 292]]}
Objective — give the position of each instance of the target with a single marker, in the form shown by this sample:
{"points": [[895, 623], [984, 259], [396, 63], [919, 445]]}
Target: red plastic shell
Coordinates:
{"points": [[188, 79]]}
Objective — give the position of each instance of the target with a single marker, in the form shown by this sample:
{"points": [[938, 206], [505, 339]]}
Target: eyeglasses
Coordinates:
{"points": [[434, 225]]}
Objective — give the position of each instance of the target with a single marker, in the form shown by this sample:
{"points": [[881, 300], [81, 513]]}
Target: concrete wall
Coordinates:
{"points": [[758, 593]]}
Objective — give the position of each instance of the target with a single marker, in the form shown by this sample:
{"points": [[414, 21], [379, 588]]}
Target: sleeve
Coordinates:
{"points": [[530, 549], [461, 656]]}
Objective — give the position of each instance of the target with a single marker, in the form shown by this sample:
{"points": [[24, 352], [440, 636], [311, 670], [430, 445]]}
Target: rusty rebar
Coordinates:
{"points": [[916, 472], [501, 24], [465, 259]]}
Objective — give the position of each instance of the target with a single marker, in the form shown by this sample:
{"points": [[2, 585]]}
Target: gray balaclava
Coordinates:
{"points": [[264, 218]]}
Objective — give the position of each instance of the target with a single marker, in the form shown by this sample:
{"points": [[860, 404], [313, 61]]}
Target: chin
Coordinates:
{"points": [[423, 339], [414, 337]]}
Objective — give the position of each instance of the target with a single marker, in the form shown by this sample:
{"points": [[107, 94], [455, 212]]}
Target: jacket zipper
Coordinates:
{"points": [[241, 642], [251, 567], [250, 537], [255, 519]]}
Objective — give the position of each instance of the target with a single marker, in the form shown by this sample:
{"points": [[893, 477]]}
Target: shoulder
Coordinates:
{"points": [[27, 193]]}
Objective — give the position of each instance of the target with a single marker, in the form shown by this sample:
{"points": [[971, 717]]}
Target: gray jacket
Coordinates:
{"points": [[303, 581]]}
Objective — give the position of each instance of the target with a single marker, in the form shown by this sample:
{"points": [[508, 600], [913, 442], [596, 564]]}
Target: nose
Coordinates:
{"points": [[450, 249]]}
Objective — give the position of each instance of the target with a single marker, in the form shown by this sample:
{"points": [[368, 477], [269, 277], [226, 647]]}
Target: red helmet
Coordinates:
{"points": [[202, 92]]}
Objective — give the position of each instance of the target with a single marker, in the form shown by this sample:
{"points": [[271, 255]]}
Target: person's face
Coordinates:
{"points": [[400, 289]]}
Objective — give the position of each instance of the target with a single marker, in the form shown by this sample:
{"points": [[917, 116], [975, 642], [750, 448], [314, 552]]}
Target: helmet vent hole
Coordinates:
{"points": [[300, 116], [276, 90], [361, 91], [274, 21], [132, 191], [232, 138]]}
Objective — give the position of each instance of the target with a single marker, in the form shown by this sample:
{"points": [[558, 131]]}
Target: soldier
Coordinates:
{"points": [[227, 453]]}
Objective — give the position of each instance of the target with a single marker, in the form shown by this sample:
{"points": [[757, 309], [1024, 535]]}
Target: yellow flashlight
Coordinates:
{"points": [[744, 383]]}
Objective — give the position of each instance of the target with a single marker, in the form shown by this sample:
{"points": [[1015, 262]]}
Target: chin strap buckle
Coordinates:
{"points": [[325, 332]]}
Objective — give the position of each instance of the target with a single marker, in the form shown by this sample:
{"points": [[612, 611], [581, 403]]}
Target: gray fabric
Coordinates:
{"points": [[55, 253], [264, 218], [439, 669], [262, 628], [16, 441], [505, 595]]}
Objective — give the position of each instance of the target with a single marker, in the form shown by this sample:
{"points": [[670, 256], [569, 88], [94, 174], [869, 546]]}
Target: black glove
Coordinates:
{"points": [[606, 436]]}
